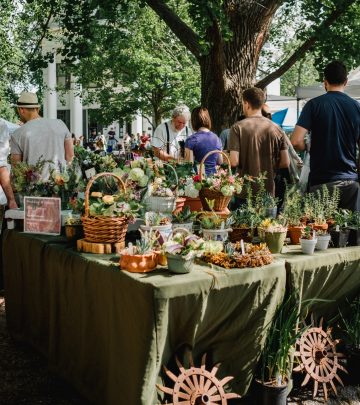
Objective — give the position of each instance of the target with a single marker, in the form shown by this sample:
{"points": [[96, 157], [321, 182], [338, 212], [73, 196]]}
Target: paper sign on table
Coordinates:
{"points": [[42, 215]]}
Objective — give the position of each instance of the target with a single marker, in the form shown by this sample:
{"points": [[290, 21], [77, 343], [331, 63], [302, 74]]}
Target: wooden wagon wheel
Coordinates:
{"points": [[197, 386], [319, 359]]}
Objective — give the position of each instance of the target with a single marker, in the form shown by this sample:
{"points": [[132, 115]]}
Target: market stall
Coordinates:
{"points": [[109, 332]]}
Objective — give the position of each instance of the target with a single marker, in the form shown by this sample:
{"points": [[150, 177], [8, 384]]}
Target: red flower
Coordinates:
{"points": [[196, 179]]}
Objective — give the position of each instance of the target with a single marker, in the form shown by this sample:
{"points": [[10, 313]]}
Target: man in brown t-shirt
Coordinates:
{"points": [[256, 144]]}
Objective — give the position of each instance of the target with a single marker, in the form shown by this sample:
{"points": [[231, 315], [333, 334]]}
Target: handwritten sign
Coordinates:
{"points": [[42, 215]]}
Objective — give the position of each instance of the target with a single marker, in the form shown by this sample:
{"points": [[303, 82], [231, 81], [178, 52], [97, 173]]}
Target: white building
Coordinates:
{"points": [[63, 99]]}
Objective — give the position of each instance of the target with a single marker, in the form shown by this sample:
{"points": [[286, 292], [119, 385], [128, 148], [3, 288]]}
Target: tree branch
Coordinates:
{"points": [[185, 34], [301, 51]]}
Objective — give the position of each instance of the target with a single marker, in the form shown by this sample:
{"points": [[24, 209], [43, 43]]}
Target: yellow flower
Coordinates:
{"points": [[108, 199], [96, 194]]}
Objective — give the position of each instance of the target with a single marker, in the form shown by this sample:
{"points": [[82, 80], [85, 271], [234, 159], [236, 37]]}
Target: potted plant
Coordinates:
{"points": [[243, 223], [73, 228], [275, 362], [269, 204], [213, 226], [162, 192], [315, 210], [275, 234], [340, 235], [308, 240], [350, 325], [140, 258], [331, 203], [323, 240], [181, 249], [157, 222], [184, 219], [293, 214], [354, 229]]}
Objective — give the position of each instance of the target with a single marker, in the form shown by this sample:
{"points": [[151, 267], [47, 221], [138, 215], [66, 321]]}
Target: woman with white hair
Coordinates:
{"points": [[169, 137]]}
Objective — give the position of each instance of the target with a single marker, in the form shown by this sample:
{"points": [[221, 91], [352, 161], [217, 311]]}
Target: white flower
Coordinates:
{"points": [[181, 192], [168, 192], [158, 180], [191, 191]]}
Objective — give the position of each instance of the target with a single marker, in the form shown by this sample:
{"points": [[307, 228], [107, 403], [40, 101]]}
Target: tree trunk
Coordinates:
{"points": [[230, 67]]}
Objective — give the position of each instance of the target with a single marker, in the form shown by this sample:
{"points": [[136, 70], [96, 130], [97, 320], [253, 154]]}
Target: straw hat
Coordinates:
{"points": [[28, 100]]}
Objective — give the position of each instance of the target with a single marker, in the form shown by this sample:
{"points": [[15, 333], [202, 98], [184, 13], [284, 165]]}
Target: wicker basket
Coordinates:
{"points": [[101, 229], [220, 201]]}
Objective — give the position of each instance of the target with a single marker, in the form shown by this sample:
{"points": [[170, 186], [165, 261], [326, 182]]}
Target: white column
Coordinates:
{"points": [[136, 126], [76, 108], [51, 99]]}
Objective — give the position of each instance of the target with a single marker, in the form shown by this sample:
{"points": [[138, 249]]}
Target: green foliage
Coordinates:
{"points": [[184, 216], [293, 210], [281, 338], [351, 323], [243, 218], [342, 217]]}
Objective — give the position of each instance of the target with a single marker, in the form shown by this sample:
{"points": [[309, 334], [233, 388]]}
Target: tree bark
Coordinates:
{"points": [[231, 66]]}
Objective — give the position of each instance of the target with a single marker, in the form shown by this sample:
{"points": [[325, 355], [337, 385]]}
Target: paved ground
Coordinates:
{"points": [[25, 380]]}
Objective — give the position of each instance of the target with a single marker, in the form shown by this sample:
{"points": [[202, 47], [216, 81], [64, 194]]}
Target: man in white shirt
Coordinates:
{"points": [[170, 135], [48, 139]]}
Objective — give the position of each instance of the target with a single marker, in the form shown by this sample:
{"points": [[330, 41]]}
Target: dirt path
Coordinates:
{"points": [[25, 380]]}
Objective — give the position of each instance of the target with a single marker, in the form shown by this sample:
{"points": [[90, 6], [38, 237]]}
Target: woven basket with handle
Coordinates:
{"points": [[220, 201], [102, 229]]}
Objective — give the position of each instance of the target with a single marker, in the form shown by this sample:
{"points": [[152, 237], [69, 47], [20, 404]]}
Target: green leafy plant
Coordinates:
{"points": [[293, 207], [156, 219], [307, 233], [351, 323], [118, 205], [342, 217], [184, 216], [243, 218], [280, 340]]}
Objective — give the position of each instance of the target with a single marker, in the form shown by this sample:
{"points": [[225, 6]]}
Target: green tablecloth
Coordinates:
{"points": [[109, 331], [332, 275]]}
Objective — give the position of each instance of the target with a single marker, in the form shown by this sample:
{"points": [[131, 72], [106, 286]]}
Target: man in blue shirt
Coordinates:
{"points": [[333, 120]]}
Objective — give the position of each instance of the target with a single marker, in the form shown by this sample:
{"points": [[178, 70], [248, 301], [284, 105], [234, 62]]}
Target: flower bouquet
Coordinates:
{"points": [[26, 180], [219, 187]]}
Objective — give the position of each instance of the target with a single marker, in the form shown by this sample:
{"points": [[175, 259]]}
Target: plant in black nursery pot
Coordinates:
{"points": [[340, 234], [276, 361]]}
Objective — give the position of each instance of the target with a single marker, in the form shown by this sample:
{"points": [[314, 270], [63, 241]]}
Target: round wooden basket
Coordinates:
{"points": [[102, 229], [220, 201]]}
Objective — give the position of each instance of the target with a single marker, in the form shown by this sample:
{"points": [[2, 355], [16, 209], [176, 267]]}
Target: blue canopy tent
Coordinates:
{"points": [[279, 116]]}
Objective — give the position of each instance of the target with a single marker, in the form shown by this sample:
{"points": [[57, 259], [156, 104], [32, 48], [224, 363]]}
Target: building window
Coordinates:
{"points": [[64, 115]]}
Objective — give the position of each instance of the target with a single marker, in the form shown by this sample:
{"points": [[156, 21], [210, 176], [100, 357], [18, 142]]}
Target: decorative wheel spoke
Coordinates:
{"points": [[316, 352], [197, 386]]}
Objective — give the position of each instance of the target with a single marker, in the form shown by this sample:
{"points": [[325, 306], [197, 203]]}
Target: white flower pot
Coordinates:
{"points": [[188, 226], [160, 204], [164, 230], [308, 245], [216, 234], [322, 242]]}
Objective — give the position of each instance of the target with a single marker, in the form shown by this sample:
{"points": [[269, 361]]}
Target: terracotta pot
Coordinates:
{"points": [[295, 234], [179, 205], [193, 203], [319, 227], [139, 263]]}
